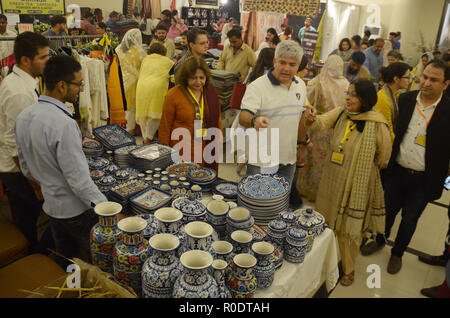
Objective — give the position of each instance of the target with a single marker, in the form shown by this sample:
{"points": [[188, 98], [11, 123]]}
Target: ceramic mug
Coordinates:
{"points": [[216, 212], [223, 250], [196, 192]]}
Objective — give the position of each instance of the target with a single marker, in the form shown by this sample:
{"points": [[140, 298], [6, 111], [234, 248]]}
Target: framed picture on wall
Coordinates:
{"points": [[214, 4], [443, 38]]}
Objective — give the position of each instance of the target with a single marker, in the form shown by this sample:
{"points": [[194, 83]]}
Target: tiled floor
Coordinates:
{"points": [[414, 275]]}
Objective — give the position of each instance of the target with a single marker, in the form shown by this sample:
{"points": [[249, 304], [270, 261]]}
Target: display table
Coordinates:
{"points": [[303, 280]]}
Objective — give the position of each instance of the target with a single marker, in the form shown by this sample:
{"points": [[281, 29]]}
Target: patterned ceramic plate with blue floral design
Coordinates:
{"points": [[226, 188], [152, 199], [97, 163], [264, 187], [113, 136], [192, 207]]}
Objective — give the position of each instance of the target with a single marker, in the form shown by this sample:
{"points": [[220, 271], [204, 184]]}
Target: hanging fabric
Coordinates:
{"points": [[116, 97]]}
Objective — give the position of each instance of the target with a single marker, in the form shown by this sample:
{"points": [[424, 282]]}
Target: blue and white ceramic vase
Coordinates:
{"points": [[276, 234], [131, 253], [169, 220], [241, 241], [199, 237], [216, 215], [239, 218], [265, 268], [219, 267], [161, 270], [243, 281], [104, 235], [296, 245], [311, 221], [196, 280], [224, 251]]}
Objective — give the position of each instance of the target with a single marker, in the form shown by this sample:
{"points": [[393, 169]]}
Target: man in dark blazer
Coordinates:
{"points": [[419, 161]]}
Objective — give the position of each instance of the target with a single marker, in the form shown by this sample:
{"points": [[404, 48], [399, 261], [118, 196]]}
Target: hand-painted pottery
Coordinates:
{"points": [[180, 169], [131, 253], [161, 269], [96, 175], [113, 136], [219, 267], [265, 268], [104, 235], [196, 280], [97, 163], [199, 237], [289, 217], [264, 187], [241, 241], [311, 221], [111, 169], [216, 214], [193, 210], [243, 281], [227, 189], [276, 234], [224, 251], [296, 244], [196, 192], [151, 228]]}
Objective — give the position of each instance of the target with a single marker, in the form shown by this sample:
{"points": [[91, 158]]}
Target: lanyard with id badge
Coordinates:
{"points": [[421, 140], [199, 133], [337, 157]]}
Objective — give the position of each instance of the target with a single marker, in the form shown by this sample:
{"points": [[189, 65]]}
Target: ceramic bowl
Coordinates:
{"points": [[216, 212], [239, 217]]}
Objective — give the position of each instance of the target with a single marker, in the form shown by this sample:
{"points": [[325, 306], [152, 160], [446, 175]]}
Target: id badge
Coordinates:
{"points": [[421, 140], [337, 158], [200, 133]]}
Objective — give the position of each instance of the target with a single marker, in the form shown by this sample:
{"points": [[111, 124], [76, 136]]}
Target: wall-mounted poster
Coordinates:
{"points": [[443, 40], [214, 4], [33, 6]]}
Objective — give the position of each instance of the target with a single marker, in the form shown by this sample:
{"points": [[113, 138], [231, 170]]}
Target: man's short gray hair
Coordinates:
{"points": [[289, 49]]}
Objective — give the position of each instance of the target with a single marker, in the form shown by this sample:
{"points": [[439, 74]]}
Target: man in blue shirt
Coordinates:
{"points": [[374, 58], [49, 147], [111, 23]]}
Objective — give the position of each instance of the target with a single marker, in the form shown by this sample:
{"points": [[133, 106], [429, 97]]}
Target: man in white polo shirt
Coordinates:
{"points": [[277, 101]]}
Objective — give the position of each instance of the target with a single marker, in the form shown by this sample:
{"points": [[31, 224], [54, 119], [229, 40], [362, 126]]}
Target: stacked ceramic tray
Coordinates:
{"points": [[202, 176], [113, 136], [97, 163], [124, 191], [92, 147], [180, 169], [148, 201], [151, 156], [121, 156], [227, 189], [125, 174], [266, 196]]}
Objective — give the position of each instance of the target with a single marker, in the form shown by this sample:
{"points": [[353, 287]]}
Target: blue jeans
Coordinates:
{"points": [[72, 235], [287, 171]]}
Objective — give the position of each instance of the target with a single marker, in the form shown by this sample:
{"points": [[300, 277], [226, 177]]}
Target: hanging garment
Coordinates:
{"points": [[116, 96]]}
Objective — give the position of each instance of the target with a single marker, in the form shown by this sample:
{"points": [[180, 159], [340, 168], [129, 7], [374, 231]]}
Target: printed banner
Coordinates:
{"points": [[309, 45], [33, 6], [303, 8]]}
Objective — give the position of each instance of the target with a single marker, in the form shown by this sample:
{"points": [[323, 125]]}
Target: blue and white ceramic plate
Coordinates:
{"points": [[226, 188], [264, 187], [113, 136], [192, 207], [97, 163], [152, 199]]}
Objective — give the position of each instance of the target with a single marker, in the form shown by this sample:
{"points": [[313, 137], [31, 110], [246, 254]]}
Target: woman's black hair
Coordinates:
{"points": [[265, 60], [367, 94], [303, 63], [357, 39], [276, 38], [395, 69], [342, 42]]}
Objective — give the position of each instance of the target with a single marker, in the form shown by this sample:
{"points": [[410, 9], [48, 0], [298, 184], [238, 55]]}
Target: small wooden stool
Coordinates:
{"points": [[13, 244], [28, 273]]}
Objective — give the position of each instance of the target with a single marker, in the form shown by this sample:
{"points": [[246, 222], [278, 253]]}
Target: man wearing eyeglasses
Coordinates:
{"points": [[198, 45], [50, 152]]}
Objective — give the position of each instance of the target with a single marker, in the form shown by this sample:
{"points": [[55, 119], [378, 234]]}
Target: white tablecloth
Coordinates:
{"points": [[303, 280]]}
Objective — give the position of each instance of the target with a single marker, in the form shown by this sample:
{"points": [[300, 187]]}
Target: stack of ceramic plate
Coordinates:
{"points": [[121, 193], [202, 176], [151, 156], [113, 136], [266, 196], [97, 163], [92, 148], [149, 201], [125, 174], [121, 155], [106, 183], [180, 169], [227, 189]]}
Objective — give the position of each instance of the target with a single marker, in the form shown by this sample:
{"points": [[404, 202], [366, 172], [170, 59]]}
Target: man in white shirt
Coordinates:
{"points": [[6, 47], [18, 91], [277, 101]]}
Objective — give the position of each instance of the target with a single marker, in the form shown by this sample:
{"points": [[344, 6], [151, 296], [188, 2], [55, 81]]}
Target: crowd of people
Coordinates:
{"points": [[359, 139]]}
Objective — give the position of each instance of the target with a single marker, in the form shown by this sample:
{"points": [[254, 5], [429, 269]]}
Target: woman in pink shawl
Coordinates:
{"points": [[325, 92], [177, 27]]}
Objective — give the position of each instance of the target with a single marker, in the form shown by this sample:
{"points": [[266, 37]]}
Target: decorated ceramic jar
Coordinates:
{"points": [[239, 218], [193, 210], [265, 268], [152, 226], [196, 280], [275, 234], [241, 241], [219, 267], [289, 217], [104, 235], [243, 283], [296, 245], [199, 237], [196, 191], [131, 253], [224, 251], [169, 220], [161, 269], [311, 221], [216, 215], [111, 169]]}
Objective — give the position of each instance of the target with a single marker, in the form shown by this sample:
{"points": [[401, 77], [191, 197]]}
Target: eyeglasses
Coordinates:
{"points": [[80, 84]]}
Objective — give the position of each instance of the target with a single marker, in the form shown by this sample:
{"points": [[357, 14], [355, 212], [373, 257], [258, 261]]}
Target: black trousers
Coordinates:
{"points": [[25, 210], [403, 191]]}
